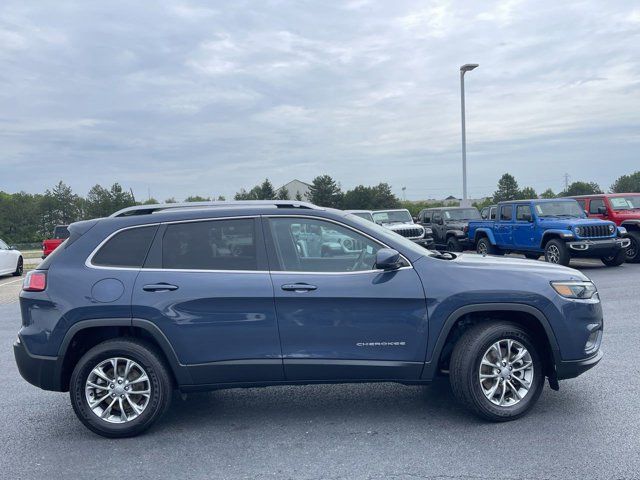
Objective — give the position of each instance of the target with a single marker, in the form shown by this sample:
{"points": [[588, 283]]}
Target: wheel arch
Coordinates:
{"points": [[551, 235], [532, 319], [631, 225], [484, 232], [86, 334]]}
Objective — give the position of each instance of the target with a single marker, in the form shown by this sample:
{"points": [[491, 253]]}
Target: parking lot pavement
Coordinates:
{"points": [[590, 429]]}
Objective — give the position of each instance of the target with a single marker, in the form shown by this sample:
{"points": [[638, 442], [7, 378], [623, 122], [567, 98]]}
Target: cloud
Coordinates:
{"points": [[183, 98]]}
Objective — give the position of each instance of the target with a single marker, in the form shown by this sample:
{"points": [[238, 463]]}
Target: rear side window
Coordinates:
{"points": [[210, 245], [506, 212], [523, 213], [60, 232], [127, 248], [595, 204]]}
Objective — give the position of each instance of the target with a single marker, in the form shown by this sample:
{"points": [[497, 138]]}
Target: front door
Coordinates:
{"points": [[210, 293], [523, 228], [339, 317], [6, 258]]}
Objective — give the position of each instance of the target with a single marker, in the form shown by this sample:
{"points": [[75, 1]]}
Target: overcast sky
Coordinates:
{"points": [[179, 98]]}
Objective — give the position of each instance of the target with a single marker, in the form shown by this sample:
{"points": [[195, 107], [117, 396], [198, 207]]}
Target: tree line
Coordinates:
{"points": [[29, 218]]}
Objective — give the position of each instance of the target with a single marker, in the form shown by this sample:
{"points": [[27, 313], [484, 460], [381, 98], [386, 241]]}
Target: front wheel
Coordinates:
{"points": [[496, 371], [615, 260], [453, 245], [119, 388], [556, 251], [633, 250]]}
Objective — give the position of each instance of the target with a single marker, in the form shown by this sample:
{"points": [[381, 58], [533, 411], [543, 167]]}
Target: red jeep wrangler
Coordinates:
{"points": [[60, 234], [621, 208]]}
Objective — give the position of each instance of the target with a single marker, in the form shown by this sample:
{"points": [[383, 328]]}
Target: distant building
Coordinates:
{"points": [[295, 187]]}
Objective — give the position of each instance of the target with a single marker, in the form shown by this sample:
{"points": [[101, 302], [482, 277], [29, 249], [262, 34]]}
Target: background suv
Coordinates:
{"points": [[165, 297], [450, 226]]}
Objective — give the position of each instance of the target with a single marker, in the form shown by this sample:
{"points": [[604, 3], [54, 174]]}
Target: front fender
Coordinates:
{"points": [[631, 224], [556, 232]]}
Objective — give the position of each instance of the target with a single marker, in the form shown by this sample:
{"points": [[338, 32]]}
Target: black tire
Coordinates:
{"points": [[484, 247], [453, 245], [464, 368], [161, 387], [615, 260], [556, 251], [633, 250], [19, 268], [532, 256]]}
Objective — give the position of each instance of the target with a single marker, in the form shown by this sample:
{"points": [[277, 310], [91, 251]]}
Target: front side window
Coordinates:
{"points": [[506, 212], [3, 246], [628, 202], [392, 216], [314, 245], [595, 204], [523, 213], [210, 245], [127, 248]]}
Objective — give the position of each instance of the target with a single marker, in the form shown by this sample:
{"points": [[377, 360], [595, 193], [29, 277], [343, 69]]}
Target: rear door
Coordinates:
{"points": [[504, 227], [207, 286], [439, 228], [339, 317]]}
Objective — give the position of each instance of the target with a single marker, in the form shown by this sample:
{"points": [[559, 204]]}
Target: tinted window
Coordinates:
{"points": [[523, 213], [426, 216], [126, 249], [3, 246], [594, 204], [506, 212], [210, 245], [582, 203], [436, 217], [313, 245], [61, 232], [492, 215]]}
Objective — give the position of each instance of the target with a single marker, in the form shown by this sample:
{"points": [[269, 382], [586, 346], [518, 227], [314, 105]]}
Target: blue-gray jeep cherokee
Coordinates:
{"points": [[206, 296]]}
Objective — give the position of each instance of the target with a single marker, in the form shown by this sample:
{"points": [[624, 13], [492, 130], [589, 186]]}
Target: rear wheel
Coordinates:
{"points": [[453, 245], [633, 250], [119, 388], [555, 251], [496, 371], [615, 260], [19, 268], [484, 247]]}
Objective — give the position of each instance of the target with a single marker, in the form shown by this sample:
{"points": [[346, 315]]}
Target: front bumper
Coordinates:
{"points": [[597, 248], [572, 368], [425, 242], [38, 370]]}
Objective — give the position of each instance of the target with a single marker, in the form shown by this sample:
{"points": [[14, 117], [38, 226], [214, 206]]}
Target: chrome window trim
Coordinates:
{"points": [[88, 262]]}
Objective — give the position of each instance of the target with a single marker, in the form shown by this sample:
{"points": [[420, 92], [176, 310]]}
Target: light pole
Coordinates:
{"points": [[464, 69]]}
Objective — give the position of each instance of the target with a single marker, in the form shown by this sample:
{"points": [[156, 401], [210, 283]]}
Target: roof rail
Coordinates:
{"points": [[149, 209]]}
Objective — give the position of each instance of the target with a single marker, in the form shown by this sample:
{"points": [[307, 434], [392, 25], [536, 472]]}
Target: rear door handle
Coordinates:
{"points": [[160, 287], [298, 287]]}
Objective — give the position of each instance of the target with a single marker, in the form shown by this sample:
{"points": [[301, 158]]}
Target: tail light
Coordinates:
{"points": [[35, 281], [465, 229]]}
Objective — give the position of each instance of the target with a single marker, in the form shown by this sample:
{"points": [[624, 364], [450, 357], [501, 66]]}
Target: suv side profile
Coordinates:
{"points": [[621, 208], [450, 226], [237, 294]]}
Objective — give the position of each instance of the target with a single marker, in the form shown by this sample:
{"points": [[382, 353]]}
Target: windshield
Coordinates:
{"points": [[628, 202], [390, 216], [365, 215], [566, 208], [384, 235], [462, 214]]}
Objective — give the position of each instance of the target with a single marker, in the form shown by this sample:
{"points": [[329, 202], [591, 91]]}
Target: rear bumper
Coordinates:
{"points": [[572, 368], [597, 248], [38, 370]]}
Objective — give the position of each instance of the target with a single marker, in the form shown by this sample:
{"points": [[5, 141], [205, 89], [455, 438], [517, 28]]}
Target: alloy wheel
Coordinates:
{"points": [[632, 249], [482, 248], [506, 373], [553, 254], [118, 390]]}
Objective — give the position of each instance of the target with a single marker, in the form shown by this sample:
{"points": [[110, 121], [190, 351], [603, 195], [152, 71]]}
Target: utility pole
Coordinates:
{"points": [[566, 182], [404, 194], [464, 69]]}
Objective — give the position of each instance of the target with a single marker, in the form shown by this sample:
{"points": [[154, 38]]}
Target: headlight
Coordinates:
{"points": [[612, 228], [428, 231], [622, 231], [577, 230], [577, 290]]}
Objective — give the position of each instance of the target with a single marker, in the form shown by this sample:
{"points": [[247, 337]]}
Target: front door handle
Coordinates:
{"points": [[160, 287], [298, 287]]}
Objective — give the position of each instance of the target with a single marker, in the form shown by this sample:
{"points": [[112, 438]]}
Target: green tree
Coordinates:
{"points": [[299, 197], [359, 198], [197, 198], [282, 194], [627, 184], [221, 198], [101, 202], [150, 201], [267, 191], [325, 192], [383, 197], [507, 189], [171, 200], [581, 188], [527, 193], [548, 193]]}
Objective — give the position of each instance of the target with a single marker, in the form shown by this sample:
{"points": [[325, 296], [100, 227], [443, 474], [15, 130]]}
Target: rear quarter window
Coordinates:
{"points": [[127, 248]]}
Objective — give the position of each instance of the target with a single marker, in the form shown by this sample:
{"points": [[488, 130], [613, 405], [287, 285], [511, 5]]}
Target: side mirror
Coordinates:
{"points": [[602, 210], [388, 259], [528, 218]]}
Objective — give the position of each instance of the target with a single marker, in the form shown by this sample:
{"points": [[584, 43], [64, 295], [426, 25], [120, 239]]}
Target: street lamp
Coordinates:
{"points": [[464, 69]]}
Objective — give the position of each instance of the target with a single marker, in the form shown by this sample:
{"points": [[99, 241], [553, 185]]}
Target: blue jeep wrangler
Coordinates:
{"points": [[239, 294], [556, 228]]}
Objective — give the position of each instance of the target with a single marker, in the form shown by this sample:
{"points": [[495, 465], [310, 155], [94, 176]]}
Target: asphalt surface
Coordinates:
{"points": [[590, 429]]}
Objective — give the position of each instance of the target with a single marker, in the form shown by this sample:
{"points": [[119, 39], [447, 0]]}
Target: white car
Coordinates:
{"points": [[10, 260]]}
